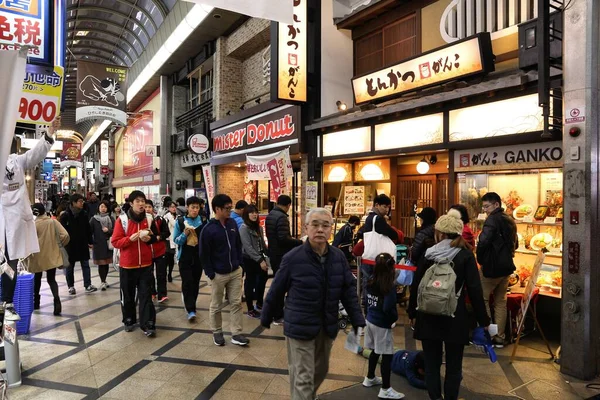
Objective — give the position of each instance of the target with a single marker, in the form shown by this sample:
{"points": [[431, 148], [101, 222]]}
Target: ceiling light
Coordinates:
{"points": [[423, 166], [341, 105], [82, 33], [337, 174]]}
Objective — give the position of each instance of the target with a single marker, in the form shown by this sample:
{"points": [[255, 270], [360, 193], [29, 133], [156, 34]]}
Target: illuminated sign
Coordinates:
{"points": [[26, 23], [352, 141], [104, 152], [461, 59], [41, 95], [412, 132], [536, 155], [290, 55], [278, 125]]}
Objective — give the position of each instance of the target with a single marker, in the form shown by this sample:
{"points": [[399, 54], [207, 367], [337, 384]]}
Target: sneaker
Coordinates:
{"points": [[390, 393], [376, 381], [239, 340], [162, 299], [90, 289], [72, 291], [104, 286], [278, 322], [150, 331], [191, 316], [10, 314], [498, 342], [218, 339], [253, 314], [128, 325]]}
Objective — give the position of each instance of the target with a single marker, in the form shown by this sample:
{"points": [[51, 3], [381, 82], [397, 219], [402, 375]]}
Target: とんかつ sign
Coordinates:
{"points": [[461, 59], [279, 125], [26, 23]]}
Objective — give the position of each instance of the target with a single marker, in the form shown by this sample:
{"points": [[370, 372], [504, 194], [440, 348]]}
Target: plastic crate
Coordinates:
{"points": [[23, 301]]}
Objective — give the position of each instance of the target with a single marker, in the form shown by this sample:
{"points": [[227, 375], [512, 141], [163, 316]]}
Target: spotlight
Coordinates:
{"points": [[341, 105], [433, 159]]}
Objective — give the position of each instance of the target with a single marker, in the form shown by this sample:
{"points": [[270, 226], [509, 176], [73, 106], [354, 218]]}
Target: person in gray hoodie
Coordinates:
{"points": [[255, 263]]}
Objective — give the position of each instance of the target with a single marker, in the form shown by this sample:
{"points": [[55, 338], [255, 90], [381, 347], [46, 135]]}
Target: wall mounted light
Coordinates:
{"points": [[423, 165], [341, 105]]}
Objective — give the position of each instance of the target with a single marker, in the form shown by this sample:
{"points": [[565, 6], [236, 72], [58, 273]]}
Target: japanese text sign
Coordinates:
{"points": [[41, 95], [467, 57], [292, 75], [101, 92], [259, 167], [26, 23], [189, 159]]}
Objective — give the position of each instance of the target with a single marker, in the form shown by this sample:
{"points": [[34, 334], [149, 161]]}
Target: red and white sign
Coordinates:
{"points": [[575, 115], [209, 182], [198, 143], [104, 170], [258, 167]]}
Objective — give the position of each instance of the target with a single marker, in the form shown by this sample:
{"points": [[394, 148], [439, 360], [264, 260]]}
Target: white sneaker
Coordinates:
{"points": [[372, 382], [10, 314], [104, 286], [390, 393]]}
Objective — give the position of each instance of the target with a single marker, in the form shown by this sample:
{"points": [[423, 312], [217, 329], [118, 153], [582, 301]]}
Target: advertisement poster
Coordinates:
{"points": [[354, 200], [71, 151], [101, 92], [310, 197], [41, 95], [139, 134], [209, 182], [26, 23], [257, 167]]}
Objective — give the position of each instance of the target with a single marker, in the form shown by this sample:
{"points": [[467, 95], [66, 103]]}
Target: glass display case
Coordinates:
{"points": [[534, 198]]}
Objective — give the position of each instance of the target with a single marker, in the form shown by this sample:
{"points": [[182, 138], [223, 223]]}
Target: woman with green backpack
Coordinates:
{"points": [[437, 308]]}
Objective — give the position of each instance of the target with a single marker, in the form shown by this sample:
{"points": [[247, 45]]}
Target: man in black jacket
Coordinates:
{"points": [[316, 277], [495, 251], [277, 227], [76, 222]]}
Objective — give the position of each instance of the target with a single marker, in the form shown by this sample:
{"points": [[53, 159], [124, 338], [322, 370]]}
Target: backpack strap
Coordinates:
{"points": [[124, 221]]}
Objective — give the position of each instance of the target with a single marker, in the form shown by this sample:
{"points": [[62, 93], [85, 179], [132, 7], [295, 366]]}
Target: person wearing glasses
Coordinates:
{"points": [[498, 241], [221, 258], [313, 279]]}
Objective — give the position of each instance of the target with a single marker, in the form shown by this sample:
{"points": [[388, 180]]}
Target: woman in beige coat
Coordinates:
{"points": [[49, 257]]}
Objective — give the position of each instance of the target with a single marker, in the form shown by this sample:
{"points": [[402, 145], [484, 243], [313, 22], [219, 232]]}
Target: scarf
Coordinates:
{"points": [[104, 219], [75, 210], [442, 251]]}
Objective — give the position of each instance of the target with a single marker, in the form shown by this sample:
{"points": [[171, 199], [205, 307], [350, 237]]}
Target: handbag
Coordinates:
{"points": [[376, 243], [61, 248]]}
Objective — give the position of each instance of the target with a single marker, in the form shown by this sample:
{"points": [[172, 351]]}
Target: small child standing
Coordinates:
{"points": [[381, 314]]}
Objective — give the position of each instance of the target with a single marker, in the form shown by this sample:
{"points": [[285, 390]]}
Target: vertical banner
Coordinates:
{"points": [[12, 74], [277, 179], [311, 195], [289, 57], [209, 183], [101, 92], [139, 134]]}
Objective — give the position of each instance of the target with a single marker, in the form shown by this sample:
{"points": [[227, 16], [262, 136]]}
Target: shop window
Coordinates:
{"points": [[206, 92], [388, 45], [200, 87]]}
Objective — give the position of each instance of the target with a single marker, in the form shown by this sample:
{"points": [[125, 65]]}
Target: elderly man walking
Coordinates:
{"points": [[316, 277]]}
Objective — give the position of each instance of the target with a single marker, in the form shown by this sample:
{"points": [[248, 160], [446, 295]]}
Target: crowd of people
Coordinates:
{"points": [[311, 277]]}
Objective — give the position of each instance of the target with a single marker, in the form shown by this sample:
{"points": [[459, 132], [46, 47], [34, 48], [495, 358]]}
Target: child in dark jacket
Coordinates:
{"points": [[381, 314], [410, 364]]}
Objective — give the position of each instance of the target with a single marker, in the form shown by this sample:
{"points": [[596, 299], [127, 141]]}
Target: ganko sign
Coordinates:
{"points": [[256, 133]]}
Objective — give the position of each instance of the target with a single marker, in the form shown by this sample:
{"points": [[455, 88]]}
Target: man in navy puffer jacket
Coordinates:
{"points": [[316, 277]]}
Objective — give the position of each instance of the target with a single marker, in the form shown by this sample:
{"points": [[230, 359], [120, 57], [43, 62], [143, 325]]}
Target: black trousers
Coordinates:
{"points": [[432, 351], [103, 272], [191, 272], [254, 283], [140, 280], [50, 278], [160, 263], [9, 285], [170, 261]]}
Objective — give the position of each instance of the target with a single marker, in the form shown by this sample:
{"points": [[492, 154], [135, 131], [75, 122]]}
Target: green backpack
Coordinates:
{"points": [[437, 291]]}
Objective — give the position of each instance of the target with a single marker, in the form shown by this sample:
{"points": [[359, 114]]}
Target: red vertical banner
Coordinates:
{"points": [[276, 179], [139, 134]]}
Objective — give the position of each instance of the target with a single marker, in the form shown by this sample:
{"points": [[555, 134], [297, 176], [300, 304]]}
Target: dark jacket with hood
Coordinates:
{"points": [[277, 227], [314, 286], [220, 248], [78, 227], [498, 241], [403, 364], [423, 240]]}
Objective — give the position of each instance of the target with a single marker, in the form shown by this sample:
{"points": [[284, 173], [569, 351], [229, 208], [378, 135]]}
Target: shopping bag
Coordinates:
{"points": [[376, 243], [352, 342], [405, 277]]}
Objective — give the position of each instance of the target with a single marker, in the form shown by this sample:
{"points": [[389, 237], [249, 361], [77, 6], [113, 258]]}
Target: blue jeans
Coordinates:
{"points": [[85, 268]]}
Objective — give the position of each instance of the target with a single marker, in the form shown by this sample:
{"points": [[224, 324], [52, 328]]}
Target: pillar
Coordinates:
{"points": [[165, 137], [580, 355]]}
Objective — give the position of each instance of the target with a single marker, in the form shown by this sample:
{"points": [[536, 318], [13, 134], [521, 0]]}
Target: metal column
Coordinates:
{"points": [[165, 134]]}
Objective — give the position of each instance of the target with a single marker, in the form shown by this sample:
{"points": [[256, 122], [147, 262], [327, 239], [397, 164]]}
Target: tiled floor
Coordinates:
{"points": [[85, 354]]}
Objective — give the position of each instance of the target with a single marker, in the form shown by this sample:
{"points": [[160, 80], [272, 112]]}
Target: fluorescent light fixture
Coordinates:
{"points": [[82, 33], [185, 28], [90, 140]]}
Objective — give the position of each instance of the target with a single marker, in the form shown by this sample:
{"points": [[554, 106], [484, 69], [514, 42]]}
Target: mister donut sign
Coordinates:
{"points": [[198, 143]]}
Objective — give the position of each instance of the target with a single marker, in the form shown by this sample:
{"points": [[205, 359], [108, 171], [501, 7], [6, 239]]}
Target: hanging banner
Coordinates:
{"points": [[260, 167], [41, 95], [138, 136], [289, 57], [101, 92], [27, 23], [71, 151], [274, 10], [12, 73], [209, 183]]}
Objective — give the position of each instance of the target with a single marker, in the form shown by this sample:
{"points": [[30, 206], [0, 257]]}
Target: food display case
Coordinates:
{"points": [[534, 198]]}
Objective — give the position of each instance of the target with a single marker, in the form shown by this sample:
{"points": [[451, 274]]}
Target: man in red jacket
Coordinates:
{"points": [[133, 235]]}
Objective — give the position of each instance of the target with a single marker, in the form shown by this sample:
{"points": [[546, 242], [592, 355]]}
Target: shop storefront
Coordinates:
{"points": [[256, 157]]}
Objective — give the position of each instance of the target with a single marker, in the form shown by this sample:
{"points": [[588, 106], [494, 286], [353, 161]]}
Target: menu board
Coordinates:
{"points": [[354, 200]]}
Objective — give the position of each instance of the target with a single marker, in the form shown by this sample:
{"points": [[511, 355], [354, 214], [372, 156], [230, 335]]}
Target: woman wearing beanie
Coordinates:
{"points": [[436, 332], [49, 232]]}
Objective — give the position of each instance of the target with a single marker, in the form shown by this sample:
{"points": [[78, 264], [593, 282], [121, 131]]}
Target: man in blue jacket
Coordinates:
{"points": [[316, 277], [221, 257], [237, 213], [410, 364]]}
